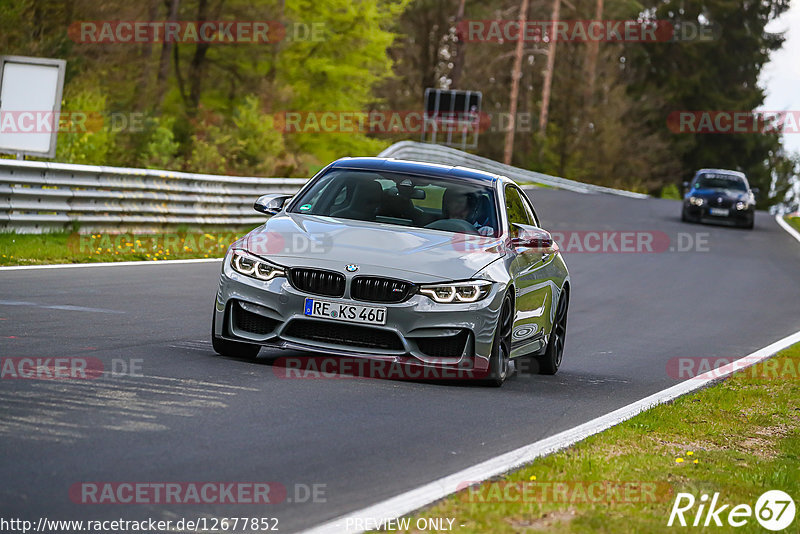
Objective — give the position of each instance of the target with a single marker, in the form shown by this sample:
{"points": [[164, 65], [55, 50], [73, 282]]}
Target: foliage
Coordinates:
{"points": [[211, 107], [85, 141], [671, 192], [218, 108]]}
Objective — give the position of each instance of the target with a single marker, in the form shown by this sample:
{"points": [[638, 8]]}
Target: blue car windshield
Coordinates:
{"points": [[446, 204], [720, 181]]}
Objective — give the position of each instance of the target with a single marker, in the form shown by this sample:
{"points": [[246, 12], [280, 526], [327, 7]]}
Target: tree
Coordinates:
{"points": [[720, 74]]}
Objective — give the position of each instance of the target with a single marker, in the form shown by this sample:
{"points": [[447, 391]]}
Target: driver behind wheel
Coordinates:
{"points": [[460, 205]]}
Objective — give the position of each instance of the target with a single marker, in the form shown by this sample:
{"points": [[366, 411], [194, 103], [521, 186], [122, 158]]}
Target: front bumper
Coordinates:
{"points": [[418, 332], [703, 213]]}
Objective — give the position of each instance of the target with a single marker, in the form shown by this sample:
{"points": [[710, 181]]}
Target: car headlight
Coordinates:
{"points": [[696, 201], [741, 205], [249, 265], [470, 291]]}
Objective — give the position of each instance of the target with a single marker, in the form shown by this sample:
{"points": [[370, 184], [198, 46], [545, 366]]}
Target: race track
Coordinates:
{"points": [[190, 415]]}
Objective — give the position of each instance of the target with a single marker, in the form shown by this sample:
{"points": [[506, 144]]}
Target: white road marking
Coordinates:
{"points": [[786, 226], [414, 499], [66, 307], [46, 410], [105, 264]]}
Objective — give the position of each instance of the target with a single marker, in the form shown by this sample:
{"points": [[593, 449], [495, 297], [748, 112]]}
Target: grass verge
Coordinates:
{"points": [[794, 222], [71, 247], [739, 437]]}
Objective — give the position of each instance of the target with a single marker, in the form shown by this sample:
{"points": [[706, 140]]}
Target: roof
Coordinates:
{"points": [[721, 171], [413, 167]]}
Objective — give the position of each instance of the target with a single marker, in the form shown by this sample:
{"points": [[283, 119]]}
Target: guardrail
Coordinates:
{"points": [[450, 156], [39, 196]]}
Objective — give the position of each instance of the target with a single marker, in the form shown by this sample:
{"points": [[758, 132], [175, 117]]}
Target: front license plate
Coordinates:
{"points": [[720, 212], [353, 313]]}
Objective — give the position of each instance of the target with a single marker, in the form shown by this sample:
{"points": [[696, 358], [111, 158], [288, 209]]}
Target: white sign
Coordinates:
{"points": [[30, 104]]}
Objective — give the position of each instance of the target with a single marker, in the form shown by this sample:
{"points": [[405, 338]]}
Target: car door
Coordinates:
{"points": [[533, 287]]}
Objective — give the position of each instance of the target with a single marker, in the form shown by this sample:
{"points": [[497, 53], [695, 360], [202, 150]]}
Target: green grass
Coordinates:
{"points": [[536, 184], [794, 222], [72, 247], [671, 192], [739, 437]]}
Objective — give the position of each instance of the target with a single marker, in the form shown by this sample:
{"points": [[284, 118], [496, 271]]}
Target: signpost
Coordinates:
{"points": [[30, 104], [452, 112]]}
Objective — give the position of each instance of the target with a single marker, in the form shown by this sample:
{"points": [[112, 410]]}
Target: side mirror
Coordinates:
{"points": [[270, 204], [534, 239]]}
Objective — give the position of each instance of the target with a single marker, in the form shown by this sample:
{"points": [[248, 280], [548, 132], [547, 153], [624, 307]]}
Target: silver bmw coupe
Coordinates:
{"points": [[423, 266]]}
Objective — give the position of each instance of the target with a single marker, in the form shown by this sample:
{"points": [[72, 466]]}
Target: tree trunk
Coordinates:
{"points": [[458, 63], [145, 77], [166, 50], [516, 74], [198, 63], [548, 75], [591, 62]]}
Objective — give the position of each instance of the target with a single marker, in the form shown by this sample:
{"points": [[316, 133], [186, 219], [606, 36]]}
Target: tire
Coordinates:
{"points": [[232, 349], [550, 361], [501, 347], [749, 225], [684, 218]]}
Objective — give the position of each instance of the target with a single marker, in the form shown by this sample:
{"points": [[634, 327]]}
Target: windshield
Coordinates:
{"points": [[451, 205], [720, 181]]}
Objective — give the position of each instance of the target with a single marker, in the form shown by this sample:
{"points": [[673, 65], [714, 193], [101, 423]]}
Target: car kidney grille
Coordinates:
{"points": [[343, 334], [317, 282], [374, 289]]}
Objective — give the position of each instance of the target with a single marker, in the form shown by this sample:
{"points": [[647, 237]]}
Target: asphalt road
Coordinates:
{"points": [[186, 414]]}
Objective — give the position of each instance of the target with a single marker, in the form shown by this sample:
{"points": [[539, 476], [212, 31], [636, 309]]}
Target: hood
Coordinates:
{"points": [[727, 194], [417, 254]]}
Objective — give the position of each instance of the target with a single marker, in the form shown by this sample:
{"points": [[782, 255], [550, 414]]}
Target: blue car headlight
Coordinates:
{"points": [[457, 292], [244, 263], [696, 201], [741, 205]]}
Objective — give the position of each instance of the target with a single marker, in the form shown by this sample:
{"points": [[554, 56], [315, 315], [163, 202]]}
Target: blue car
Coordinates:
{"points": [[719, 195]]}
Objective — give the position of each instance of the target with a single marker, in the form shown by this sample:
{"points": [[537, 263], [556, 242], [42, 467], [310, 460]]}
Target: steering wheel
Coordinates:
{"points": [[453, 225]]}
